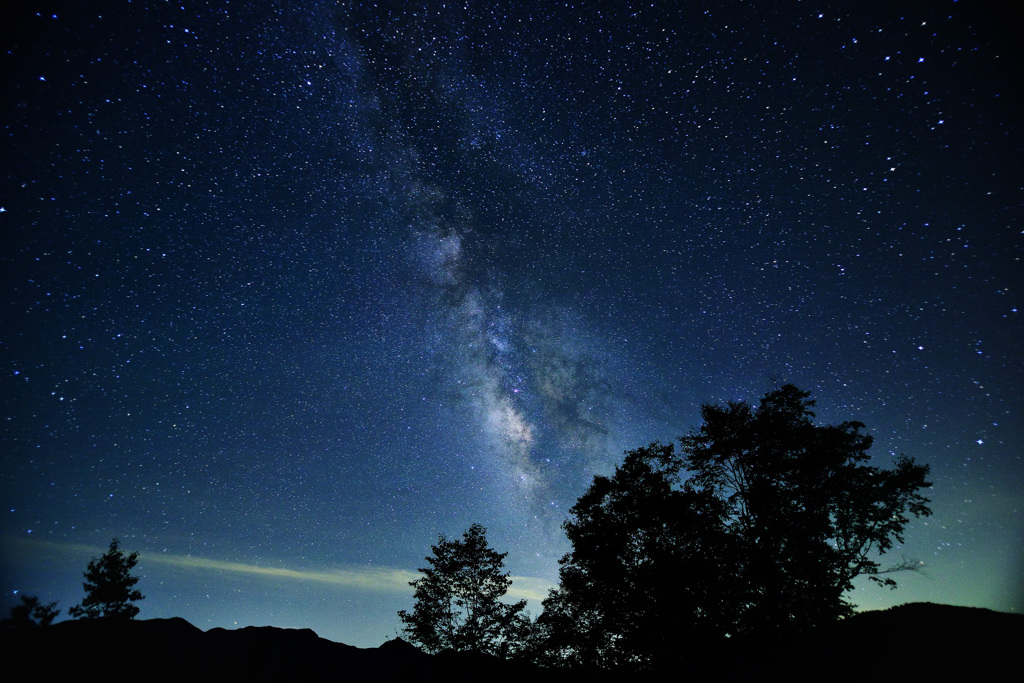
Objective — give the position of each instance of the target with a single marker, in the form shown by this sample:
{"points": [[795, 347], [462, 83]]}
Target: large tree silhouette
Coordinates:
{"points": [[645, 569], [458, 599], [807, 511], [109, 587], [759, 524]]}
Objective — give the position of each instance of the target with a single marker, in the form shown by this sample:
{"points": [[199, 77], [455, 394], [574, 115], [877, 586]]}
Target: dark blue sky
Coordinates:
{"points": [[292, 288]]}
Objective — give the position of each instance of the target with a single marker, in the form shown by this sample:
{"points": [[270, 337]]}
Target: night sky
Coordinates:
{"points": [[291, 288]]}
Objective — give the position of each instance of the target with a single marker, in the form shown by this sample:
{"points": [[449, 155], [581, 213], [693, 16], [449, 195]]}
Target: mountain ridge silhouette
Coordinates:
{"points": [[920, 639]]}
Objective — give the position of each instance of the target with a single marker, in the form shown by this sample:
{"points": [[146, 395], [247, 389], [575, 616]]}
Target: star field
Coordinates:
{"points": [[292, 288]]}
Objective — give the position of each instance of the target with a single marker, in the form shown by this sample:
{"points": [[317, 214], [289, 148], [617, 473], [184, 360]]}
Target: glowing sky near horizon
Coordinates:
{"points": [[291, 288]]}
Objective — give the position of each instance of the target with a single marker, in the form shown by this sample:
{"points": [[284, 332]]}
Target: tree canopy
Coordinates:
{"points": [[760, 522], [644, 569], [109, 587], [458, 599]]}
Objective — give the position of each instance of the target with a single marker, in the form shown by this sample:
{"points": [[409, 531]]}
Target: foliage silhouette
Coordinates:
{"points": [[458, 600], [759, 524], [807, 511], [109, 591], [646, 555], [30, 613]]}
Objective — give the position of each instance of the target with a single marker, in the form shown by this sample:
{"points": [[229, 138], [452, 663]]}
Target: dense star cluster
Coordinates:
{"points": [[291, 288]]}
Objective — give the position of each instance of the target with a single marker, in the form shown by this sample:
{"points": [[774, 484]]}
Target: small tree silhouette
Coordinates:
{"points": [[458, 600], [109, 591], [31, 613]]}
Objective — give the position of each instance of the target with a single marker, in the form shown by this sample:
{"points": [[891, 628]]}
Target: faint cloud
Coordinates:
{"points": [[381, 579], [529, 588], [384, 579], [376, 579]]}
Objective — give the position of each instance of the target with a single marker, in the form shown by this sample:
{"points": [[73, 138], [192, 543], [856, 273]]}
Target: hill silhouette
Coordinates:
{"points": [[919, 639], [925, 641]]}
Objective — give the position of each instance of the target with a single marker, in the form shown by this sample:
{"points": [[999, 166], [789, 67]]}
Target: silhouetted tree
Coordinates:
{"points": [[458, 600], [806, 510], [645, 569], [760, 523], [109, 591], [30, 613]]}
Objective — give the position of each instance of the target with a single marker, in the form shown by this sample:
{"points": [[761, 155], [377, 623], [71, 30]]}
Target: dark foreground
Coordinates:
{"points": [[923, 641]]}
